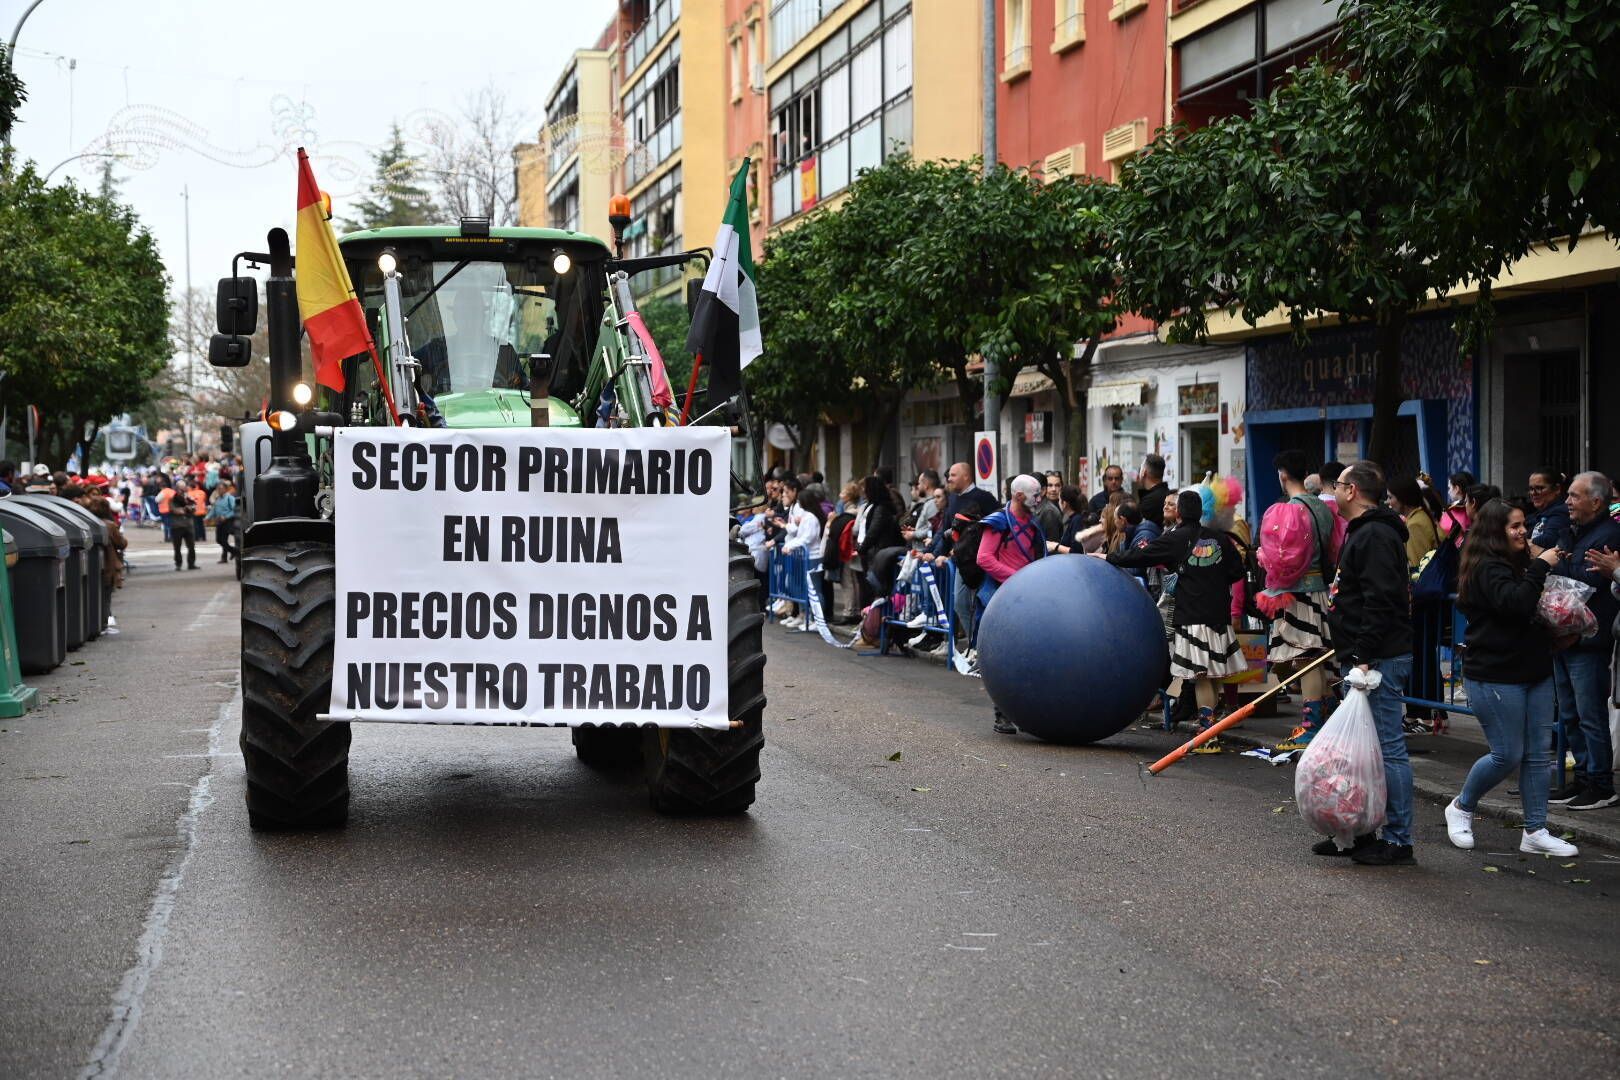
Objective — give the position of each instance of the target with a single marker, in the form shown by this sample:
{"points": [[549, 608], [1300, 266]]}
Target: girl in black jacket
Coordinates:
{"points": [[1206, 562], [1508, 671], [881, 544]]}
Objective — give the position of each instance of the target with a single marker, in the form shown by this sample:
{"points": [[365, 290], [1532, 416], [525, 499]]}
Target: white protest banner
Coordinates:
{"points": [[540, 576]]}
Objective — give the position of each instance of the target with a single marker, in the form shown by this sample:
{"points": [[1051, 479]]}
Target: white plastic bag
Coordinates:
{"points": [[1339, 782], [1562, 607]]}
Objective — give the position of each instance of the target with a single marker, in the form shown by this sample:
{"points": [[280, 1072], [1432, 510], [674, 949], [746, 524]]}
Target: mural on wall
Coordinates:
{"points": [[1336, 366]]}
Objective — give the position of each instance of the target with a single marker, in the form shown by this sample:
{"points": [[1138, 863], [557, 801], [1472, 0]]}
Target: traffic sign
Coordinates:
{"points": [[986, 463]]}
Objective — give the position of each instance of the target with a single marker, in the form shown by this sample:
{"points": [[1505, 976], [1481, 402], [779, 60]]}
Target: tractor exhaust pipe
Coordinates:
{"points": [[287, 488]]}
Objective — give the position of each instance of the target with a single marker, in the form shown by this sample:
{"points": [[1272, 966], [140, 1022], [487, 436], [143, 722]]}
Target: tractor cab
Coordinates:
{"points": [[486, 312]]}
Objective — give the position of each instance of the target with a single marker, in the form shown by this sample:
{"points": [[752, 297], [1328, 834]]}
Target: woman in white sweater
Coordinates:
{"points": [[803, 534]]}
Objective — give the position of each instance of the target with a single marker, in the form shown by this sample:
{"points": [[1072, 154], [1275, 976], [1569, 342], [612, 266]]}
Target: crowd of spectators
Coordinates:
{"points": [[182, 497], [1347, 560]]}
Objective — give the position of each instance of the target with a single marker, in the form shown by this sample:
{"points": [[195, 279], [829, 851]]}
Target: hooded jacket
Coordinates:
{"points": [[1599, 533], [1370, 600]]}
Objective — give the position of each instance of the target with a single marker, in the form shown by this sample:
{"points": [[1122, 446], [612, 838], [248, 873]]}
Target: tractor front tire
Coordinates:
{"points": [[700, 771], [297, 766], [608, 748]]}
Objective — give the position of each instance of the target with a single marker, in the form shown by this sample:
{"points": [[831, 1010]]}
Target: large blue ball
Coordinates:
{"points": [[1072, 649]]}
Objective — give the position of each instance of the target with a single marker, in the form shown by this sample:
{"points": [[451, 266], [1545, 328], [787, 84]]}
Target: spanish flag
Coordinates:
{"points": [[326, 300]]}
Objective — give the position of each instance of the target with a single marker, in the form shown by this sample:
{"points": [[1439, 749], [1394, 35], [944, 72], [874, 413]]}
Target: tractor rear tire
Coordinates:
{"points": [[297, 766], [608, 748], [699, 771]]}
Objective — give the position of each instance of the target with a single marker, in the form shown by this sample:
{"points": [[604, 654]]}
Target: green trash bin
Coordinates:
{"points": [[15, 698]]}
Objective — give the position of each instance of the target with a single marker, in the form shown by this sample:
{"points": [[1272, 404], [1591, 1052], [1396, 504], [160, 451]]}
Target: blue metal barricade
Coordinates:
{"points": [[926, 602], [1437, 654], [787, 579]]}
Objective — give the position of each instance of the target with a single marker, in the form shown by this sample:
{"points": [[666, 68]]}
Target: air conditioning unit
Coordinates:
{"points": [[1069, 161]]}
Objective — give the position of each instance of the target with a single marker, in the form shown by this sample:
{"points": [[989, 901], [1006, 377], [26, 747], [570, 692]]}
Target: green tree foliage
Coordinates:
{"points": [[397, 195], [1301, 206], [1512, 109], [924, 266], [800, 377], [83, 308], [12, 96]]}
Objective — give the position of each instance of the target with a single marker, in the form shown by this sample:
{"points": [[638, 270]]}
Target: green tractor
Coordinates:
{"points": [[476, 327]]}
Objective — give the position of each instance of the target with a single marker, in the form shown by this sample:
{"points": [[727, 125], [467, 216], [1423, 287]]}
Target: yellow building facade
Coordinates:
{"points": [[672, 102]]}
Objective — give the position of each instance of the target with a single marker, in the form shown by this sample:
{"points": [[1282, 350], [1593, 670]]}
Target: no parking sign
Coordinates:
{"points": [[986, 464]]}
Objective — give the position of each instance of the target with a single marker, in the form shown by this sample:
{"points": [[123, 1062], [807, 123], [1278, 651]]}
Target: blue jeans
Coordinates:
{"points": [[1518, 723], [1388, 713], [1581, 683]]}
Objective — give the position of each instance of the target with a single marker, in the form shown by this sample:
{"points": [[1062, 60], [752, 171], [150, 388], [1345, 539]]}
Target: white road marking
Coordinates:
{"points": [[125, 1011]]}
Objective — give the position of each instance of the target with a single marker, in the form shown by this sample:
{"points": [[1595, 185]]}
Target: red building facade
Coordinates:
{"points": [[1082, 87]]}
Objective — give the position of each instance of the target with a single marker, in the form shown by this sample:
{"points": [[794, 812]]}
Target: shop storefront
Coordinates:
{"points": [[1184, 403], [1317, 397]]}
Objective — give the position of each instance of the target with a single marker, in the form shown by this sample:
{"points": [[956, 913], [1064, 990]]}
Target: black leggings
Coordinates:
{"points": [[225, 537]]}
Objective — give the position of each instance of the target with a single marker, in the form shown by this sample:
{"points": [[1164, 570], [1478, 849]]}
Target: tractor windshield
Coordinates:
{"points": [[475, 325]]}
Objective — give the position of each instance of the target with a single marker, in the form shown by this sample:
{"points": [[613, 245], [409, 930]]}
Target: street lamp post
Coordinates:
{"points": [[11, 52], [992, 404]]}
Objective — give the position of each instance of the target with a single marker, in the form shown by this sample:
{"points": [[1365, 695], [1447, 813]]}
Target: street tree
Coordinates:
{"points": [[12, 96], [398, 193], [1304, 207], [83, 309], [800, 378], [1031, 266], [470, 158], [1514, 109]]}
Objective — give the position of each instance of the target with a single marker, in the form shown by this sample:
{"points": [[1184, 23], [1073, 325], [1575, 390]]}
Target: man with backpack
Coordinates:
{"points": [[1008, 540], [964, 504], [1297, 550]]}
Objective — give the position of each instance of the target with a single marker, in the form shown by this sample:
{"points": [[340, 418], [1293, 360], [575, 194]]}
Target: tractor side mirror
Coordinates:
{"points": [[236, 310], [229, 350]]}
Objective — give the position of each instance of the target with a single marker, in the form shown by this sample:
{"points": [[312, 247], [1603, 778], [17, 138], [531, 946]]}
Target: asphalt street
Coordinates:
{"points": [[981, 906]]}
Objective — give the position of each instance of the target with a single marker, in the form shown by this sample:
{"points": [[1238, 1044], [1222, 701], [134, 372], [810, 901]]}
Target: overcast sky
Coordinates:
{"points": [[229, 89]]}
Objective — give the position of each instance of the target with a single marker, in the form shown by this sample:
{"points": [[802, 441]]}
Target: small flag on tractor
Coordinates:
{"points": [[326, 300], [725, 326]]}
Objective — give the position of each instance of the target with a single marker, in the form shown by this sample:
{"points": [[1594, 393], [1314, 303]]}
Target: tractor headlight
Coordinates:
{"points": [[302, 394], [282, 420], [561, 263], [387, 263]]}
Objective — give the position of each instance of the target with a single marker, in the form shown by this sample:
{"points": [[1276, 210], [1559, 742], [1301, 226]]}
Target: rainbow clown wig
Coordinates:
{"points": [[1221, 496]]}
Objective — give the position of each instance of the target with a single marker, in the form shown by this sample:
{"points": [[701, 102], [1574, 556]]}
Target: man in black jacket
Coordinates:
{"points": [[1370, 612], [1581, 672], [1151, 494]]}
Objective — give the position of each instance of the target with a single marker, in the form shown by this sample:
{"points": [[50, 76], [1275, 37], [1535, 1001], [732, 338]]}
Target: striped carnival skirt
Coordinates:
{"points": [[1301, 630], [1199, 651]]}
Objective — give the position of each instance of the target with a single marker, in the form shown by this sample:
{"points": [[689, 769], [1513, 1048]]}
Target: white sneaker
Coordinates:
{"points": [[782, 608], [917, 621], [792, 622], [1542, 842], [1460, 826]]}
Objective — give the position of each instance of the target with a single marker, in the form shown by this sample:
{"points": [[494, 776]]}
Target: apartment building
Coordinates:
{"points": [[675, 117], [851, 83]]}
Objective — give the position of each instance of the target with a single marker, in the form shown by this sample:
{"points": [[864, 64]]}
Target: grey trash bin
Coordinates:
{"points": [[78, 539], [95, 556], [38, 586]]}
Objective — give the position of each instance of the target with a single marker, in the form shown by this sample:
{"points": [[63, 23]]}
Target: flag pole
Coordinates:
{"points": [[691, 387]]}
